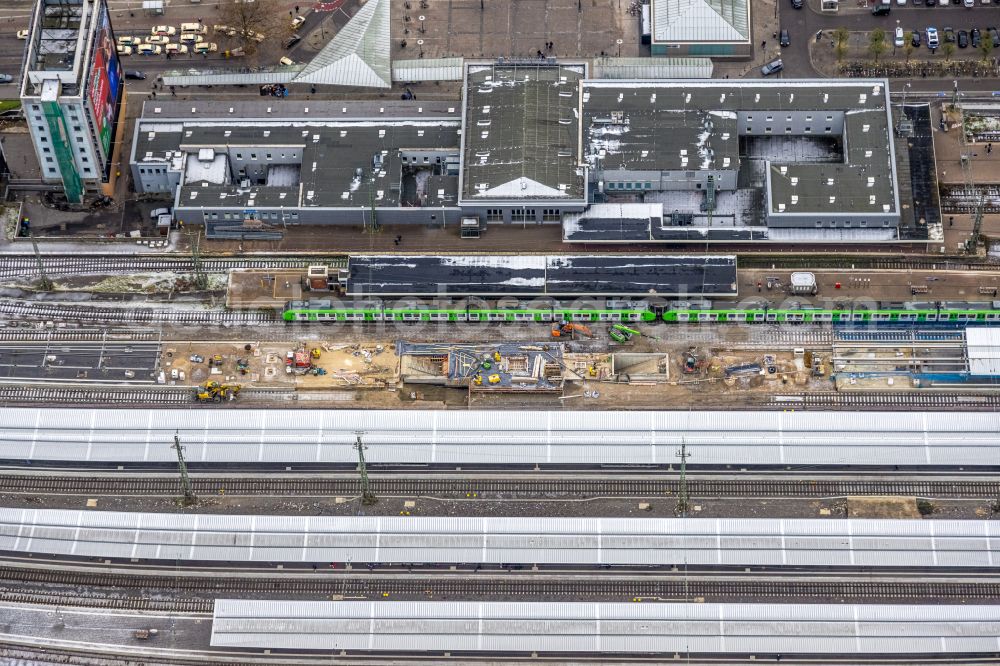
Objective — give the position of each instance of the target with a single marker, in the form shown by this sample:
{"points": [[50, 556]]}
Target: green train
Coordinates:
{"points": [[613, 310]]}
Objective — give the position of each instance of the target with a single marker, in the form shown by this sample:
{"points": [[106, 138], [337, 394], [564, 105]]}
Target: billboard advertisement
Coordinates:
{"points": [[105, 81]]}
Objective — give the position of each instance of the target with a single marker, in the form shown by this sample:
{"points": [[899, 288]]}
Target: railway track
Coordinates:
{"points": [[22, 310], [860, 263], [191, 594], [872, 400], [490, 487], [145, 394], [960, 199], [77, 335], [27, 266]]}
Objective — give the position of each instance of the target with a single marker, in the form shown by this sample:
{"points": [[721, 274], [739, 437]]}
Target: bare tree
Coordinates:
{"points": [[948, 49], [908, 45], [986, 46], [876, 43], [255, 22], [840, 38]]}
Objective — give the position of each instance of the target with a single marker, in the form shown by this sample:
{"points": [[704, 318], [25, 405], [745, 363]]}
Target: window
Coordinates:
{"points": [[769, 118], [767, 130], [494, 215], [808, 130], [48, 159], [829, 130], [522, 214], [86, 171], [38, 119], [142, 170], [269, 156], [847, 223], [239, 156], [225, 216], [35, 107], [788, 130], [295, 216], [43, 139], [809, 119], [46, 150], [649, 186], [863, 223], [253, 156], [426, 159], [85, 160], [551, 215], [77, 128], [829, 119], [819, 224], [788, 119]]}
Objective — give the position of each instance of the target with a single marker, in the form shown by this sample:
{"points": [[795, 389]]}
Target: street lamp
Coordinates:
{"points": [[421, 19], [619, 43], [420, 43], [902, 109]]}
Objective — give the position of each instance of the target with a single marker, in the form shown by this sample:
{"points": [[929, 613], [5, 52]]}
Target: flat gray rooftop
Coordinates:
{"points": [[670, 629], [521, 438], [520, 139], [692, 125], [494, 275]]}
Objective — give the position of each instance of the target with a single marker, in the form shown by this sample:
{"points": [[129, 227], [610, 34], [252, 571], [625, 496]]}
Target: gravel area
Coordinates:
{"points": [[394, 506]]}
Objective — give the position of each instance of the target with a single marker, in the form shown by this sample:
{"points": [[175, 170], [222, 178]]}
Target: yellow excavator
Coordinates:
{"points": [[217, 392]]}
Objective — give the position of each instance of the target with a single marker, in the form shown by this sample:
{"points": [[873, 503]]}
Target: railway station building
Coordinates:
{"points": [[539, 142]]}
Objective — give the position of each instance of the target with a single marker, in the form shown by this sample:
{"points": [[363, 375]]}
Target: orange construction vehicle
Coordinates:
{"points": [[568, 329]]}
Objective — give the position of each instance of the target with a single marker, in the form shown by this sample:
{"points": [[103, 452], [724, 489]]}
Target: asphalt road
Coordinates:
{"points": [[80, 361]]}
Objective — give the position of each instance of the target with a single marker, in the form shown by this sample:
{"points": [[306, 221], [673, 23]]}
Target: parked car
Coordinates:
{"points": [[129, 41], [176, 49], [994, 35], [963, 39], [167, 30], [135, 75], [297, 21], [969, 4], [224, 29], [162, 40], [897, 38], [784, 39], [191, 38], [22, 34], [292, 41], [975, 37], [205, 47], [256, 36], [949, 36], [197, 28], [901, 3], [772, 67], [932, 38], [915, 38], [124, 50], [6, 78], [149, 49]]}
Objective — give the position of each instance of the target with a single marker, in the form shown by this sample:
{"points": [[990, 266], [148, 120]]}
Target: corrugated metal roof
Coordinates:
{"points": [[522, 627], [234, 76], [653, 68], [521, 438], [358, 55], [430, 69], [983, 350], [703, 542], [685, 21]]}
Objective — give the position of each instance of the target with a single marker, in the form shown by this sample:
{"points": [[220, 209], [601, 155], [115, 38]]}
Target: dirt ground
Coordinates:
{"points": [[357, 366]]}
